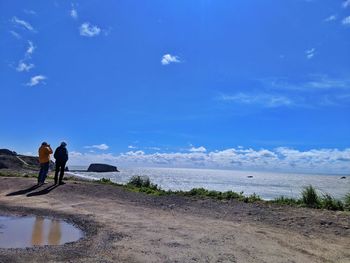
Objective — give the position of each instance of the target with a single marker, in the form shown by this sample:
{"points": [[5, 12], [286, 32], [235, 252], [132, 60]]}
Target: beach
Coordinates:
{"points": [[124, 226]]}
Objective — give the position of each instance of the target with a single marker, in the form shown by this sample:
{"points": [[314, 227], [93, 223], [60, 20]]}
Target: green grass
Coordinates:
{"points": [[282, 200], [29, 174], [143, 185], [347, 202], [201, 192], [106, 181], [253, 198], [330, 203], [17, 174], [138, 184], [310, 197], [141, 181]]}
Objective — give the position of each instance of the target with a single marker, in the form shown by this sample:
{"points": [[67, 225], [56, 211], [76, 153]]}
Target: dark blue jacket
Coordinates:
{"points": [[61, 154]]}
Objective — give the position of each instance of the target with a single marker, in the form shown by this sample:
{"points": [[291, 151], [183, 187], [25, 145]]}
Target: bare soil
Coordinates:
{"points": [[122, 226]]}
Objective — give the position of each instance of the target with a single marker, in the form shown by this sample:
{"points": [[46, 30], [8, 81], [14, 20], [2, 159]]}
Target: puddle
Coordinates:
{"points": [[22, 232]]}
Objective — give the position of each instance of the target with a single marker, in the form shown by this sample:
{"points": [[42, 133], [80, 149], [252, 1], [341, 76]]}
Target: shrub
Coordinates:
{"points": [[282, 200], [310, 197], [328, 202], [143, 184], [232, 195], [253, 198], [347, 202], [202, 192], [197, 192], [140, 181], [214, 194], [105, 181]]}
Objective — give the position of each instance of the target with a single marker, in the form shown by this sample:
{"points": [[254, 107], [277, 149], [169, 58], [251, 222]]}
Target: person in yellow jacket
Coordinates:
{"points": [[44, 159]]}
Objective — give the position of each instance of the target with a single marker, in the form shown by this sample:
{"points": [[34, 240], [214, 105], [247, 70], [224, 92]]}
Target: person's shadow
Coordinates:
{"points": [[24, 191], [44, 191]]}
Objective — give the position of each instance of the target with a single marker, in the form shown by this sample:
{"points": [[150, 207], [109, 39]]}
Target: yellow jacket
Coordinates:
{"points": [[44, 153]]}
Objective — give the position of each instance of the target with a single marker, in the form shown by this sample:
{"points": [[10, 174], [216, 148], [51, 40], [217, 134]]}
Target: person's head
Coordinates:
{"points": [[44, 144], [63, 144]]}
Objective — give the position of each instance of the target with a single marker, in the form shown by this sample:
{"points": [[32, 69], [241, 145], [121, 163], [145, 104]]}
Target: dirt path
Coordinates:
{"points": [[122, 226]]}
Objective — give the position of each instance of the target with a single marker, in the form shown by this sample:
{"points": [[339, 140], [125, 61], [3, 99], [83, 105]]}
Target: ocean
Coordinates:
{"points": [[267, 185]]}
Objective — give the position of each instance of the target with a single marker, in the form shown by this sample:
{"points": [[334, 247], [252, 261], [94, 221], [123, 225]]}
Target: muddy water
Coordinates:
{"points": [[21, 232]]}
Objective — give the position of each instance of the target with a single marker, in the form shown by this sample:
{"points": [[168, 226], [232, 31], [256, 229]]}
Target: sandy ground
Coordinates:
{"points": [[122, 226]]}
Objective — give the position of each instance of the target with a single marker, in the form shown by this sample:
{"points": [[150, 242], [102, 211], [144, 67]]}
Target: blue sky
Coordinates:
{"points": [[179, 83]]}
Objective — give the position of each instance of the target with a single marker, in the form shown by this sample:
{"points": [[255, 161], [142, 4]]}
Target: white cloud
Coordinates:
{"points": [[262, 99], [346, 21], [15, 34], [315, 91], [314, 82], [153, 148], [279, 159], [135, 153], [75, 154], [132, 147], [29, 12], [30, 49], [167, 59], [346, 3], [102, 146], [324, 82], [73, 13], [22, 23], [88, 30], [310, 53], [200, 149], [331, 18], [36, 80], [22, 66]]}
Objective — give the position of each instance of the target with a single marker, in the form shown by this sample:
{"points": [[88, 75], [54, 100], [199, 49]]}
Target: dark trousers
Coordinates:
{"points": [[44, 169], [59, 169]]}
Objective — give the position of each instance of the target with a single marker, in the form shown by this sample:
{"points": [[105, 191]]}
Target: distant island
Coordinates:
{"points": [[101, 168]]}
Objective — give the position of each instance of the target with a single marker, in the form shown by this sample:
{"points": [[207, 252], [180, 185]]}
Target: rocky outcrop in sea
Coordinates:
{"points": [[101, 168]]}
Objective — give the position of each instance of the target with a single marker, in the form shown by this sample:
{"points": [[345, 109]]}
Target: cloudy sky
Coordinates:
{"points": [[262, 85]]}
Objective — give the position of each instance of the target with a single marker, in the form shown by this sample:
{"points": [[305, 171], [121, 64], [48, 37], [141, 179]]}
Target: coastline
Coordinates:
{"points": [[267, 185], [135, 227]]}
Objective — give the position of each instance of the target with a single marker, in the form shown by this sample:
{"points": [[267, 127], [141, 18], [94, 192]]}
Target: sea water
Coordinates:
{"points": [[267, 185]]}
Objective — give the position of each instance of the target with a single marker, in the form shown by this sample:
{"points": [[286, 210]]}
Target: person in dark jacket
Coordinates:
{"points": [[61, 156]]}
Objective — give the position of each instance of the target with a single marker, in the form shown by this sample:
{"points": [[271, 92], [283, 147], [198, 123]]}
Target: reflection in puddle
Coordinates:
{"points": [[21, 232]]}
